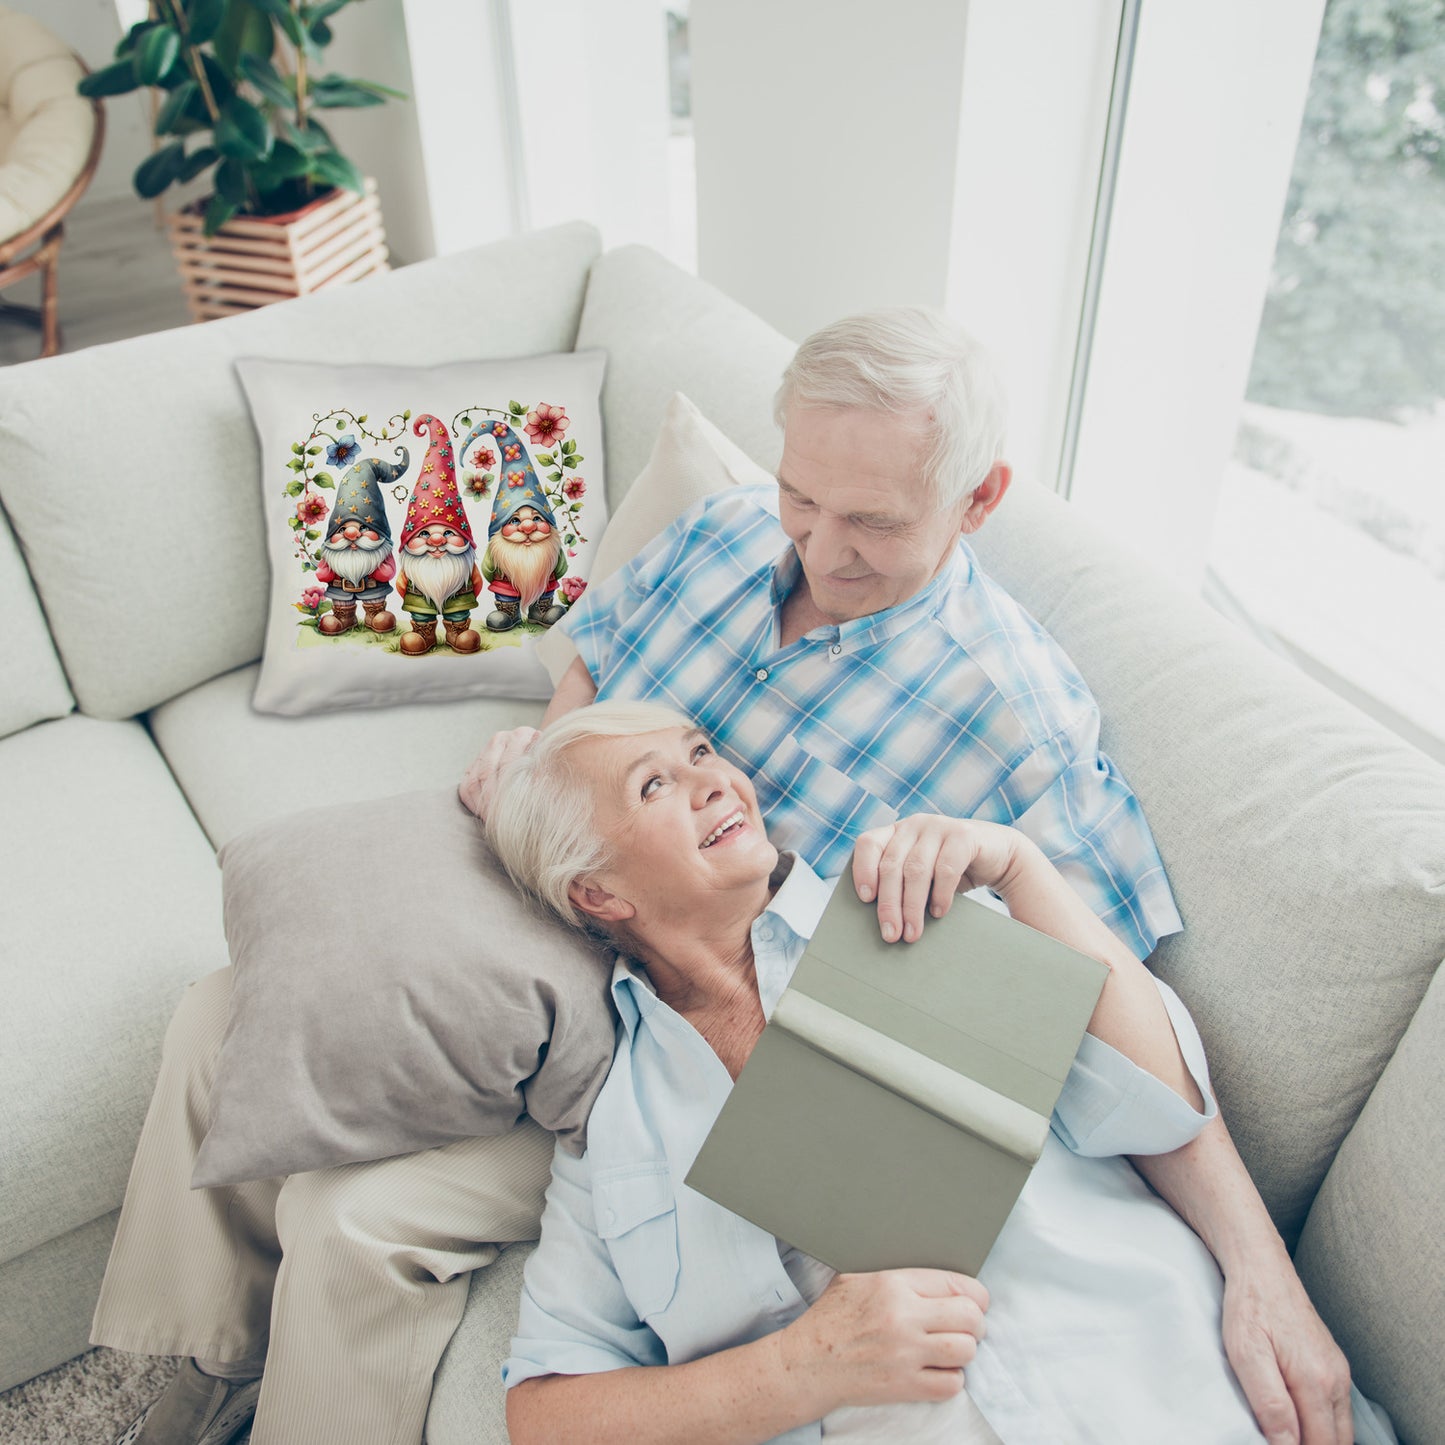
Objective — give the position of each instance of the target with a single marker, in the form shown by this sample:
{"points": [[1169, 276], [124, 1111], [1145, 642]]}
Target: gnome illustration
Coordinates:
{"points": [[355, 560], [438, 555], [524, 556]]}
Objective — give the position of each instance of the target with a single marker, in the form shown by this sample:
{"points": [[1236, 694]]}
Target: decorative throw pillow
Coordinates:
{"points": [[357, 1032], [691, 459], [428, 524]]}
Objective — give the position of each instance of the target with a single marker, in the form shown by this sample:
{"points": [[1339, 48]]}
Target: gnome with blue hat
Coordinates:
{"points": [[354, 560], [524, 556]]}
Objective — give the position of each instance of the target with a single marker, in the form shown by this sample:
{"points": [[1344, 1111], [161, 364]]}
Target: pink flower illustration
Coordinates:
{"points": [[486, 458], [311, 600], [499, 429], [311, 508], [547, 424], [515, 479], [572, 587], [512, 453], [478, 483], [574, 488]]}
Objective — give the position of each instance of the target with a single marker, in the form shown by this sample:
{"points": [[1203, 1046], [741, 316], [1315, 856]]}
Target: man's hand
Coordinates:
{"points": [[479, 780], [1295, 1377]]}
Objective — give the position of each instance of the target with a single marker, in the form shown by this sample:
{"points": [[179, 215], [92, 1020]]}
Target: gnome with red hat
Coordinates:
{"points": [[439, 576]]}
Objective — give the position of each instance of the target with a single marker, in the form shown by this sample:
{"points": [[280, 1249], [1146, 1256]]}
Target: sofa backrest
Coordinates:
{"points": [[1302, 841], [32, 682], [122, 462]]}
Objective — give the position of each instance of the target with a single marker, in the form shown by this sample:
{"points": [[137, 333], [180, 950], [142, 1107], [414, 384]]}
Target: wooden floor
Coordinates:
{"points": [[117, 279]]}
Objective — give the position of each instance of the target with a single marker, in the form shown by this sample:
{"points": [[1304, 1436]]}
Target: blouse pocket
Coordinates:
{"points": [[636, 1213]]}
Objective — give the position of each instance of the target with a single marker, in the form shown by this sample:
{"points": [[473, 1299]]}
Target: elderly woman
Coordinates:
{"points": [[653, 1314]]}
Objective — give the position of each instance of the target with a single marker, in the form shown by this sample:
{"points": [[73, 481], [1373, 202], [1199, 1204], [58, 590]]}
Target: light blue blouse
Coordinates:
{"points": [[1105, 1316]]}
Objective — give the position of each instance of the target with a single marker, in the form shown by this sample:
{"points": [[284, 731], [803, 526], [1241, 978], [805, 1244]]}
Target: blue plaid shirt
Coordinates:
{"points": [[954, 702]]}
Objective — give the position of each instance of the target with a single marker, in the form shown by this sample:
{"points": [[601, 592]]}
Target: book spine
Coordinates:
{"points": [[953, 1097]]}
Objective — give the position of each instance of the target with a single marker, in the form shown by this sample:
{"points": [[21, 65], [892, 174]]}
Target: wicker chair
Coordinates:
{"points": [[50, 140]]}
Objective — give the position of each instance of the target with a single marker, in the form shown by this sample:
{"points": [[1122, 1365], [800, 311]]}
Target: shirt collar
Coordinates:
{"points": [[779, 934], [877, 627]]}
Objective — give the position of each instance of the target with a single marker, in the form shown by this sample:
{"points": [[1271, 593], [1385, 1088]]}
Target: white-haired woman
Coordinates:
{"points": [[652, 1314]]}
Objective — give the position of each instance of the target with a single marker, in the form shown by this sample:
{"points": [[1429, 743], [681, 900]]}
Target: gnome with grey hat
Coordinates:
{"points": [[355, 559]]}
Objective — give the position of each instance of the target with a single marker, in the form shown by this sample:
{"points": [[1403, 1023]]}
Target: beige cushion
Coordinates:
{"points": [[47, 128], [110, 906], [1302, 842], [1373, 1250], [166, 455], [239, 768], [393, 993], [691, 459], [32, 684]]}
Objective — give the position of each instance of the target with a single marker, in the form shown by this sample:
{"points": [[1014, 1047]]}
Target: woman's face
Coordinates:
{"points": [[682, 825]]}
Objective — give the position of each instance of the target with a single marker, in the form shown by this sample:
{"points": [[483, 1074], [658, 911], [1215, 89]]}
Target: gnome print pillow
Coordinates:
{"points": [[425, 531]]}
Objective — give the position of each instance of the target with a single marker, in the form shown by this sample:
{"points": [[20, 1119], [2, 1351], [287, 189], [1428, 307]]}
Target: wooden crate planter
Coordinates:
{"points": [[255, 260]]}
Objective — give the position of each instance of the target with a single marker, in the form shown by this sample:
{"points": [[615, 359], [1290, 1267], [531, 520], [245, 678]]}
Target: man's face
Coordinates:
{"points": [[852, 500], [436, 541], [356, 536], [526, 525]]}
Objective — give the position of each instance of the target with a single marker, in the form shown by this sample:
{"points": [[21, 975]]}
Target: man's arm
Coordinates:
{"points": [[1295, 1377]]}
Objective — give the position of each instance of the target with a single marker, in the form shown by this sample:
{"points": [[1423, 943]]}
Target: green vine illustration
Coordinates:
{"points": [[330, 436], [564, 494]]}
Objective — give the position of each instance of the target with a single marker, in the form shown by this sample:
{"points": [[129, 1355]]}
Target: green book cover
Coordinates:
{"points": [[900, 1094]]}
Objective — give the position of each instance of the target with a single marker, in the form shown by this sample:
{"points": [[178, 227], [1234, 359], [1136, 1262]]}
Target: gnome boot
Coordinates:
{"points": [[421, 639], [341, 618], [377, 617], [544, 612], [506, 617], [461, 635]]}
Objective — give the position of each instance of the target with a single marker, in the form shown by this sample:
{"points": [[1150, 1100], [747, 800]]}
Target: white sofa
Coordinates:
{"points": [[1305, 845]]}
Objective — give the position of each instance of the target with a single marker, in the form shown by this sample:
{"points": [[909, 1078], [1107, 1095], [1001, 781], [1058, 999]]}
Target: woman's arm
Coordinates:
{"points": [[916, 866], [903, 1334]]}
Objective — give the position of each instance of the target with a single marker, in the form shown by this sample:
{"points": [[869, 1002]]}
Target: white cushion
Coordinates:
{"points": [[163, 451], [239, 768], [111, 905], [32, 683]]}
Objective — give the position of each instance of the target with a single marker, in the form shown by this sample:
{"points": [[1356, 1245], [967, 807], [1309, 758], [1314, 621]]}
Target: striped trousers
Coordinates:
{"points": [[348, 1281]]}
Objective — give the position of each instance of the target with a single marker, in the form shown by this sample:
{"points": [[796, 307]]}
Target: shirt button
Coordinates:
{"points": [[761, 674], [765, 933], [836, 648]]}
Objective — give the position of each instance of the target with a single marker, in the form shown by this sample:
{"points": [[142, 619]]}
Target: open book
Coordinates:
{"points": [[892, 1109]]}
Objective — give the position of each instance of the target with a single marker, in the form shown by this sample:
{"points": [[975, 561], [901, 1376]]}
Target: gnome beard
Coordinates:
{"points": [[528, 566], [439, 575], [354, 562]]}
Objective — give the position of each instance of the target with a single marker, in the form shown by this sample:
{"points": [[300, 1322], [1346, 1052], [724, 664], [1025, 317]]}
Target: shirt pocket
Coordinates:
{"points": [[815, 808], [636, 1211]]}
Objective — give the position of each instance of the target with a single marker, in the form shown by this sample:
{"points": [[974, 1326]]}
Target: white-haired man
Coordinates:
{"points": [[838, 641]]}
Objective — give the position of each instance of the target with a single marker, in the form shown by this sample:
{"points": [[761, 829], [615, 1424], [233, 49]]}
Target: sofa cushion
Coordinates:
{"points": [[378, 1020], [665, 331], [1372, 1254], [111, 905], [32, 683], [239, 768], [148, 443], [1301, 840], [402, 449]]}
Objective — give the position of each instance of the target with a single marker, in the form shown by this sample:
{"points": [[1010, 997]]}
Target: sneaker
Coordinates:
{"points": [[195, 1409]]}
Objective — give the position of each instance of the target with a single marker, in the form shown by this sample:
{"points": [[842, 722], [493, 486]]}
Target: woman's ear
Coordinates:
{"points": [[596, 902]]}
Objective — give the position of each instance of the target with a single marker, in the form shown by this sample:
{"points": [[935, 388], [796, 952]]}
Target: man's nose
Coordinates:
{"points": [[829, 547]]}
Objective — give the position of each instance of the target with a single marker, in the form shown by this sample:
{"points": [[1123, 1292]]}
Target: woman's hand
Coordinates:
{"points": [[479, 781], [918, 864], [897, 1335]]}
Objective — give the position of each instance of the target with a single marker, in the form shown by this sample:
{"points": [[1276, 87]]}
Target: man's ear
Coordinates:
{"points": [[596, 902], [986, 496]]}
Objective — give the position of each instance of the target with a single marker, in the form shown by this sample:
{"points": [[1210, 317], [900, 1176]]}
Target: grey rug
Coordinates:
{"points": [[86, 1402]]}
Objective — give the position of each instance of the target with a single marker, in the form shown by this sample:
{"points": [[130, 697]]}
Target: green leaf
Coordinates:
{"points": [[569, 462], [244, 31], [312, 534], [242, 132], [381, 90], [278, 89], [322, 11], [175, 106], [231, 182], [545, 459], [325, 606], [313, 451], [311, 141], [333, 168], [131, 38], [157, 171], [406, 415], [156, 53], [294, 523], [467, 422], [295, 464], [323, 480], [203, 19], [334, 92], [319, 34], [361, 419], [568, 447], [516, 408], [198, 161], [117, 79], [222, 83], [295, 488], [554, 476], [296, 449]]}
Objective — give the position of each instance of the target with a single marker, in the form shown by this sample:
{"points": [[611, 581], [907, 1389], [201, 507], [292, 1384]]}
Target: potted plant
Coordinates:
{"points": [[239, 85]]}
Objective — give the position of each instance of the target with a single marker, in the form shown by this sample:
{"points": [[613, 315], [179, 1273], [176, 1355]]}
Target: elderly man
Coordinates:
{"points": [[838, 640]]}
